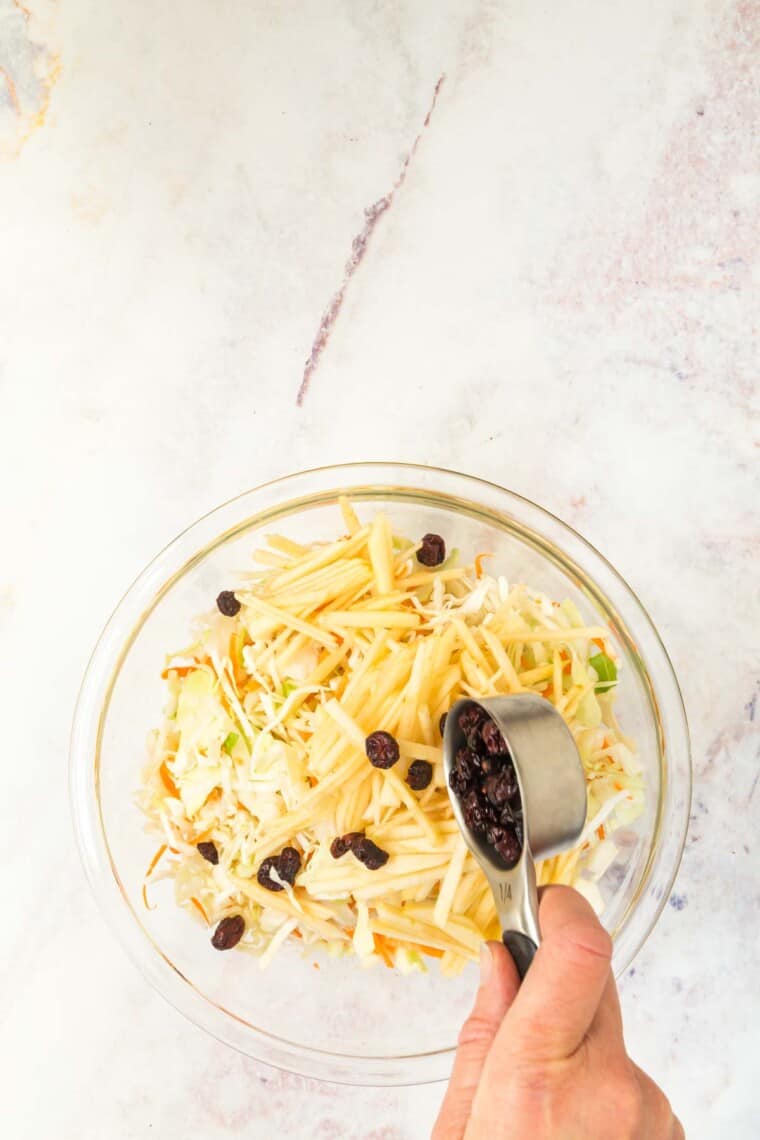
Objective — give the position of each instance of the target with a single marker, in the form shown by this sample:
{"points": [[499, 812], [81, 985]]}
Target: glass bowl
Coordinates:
{"points": [[341, 1022]]}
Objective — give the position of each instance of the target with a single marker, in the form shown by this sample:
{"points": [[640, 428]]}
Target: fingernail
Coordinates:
{"points": [[486, 963]]}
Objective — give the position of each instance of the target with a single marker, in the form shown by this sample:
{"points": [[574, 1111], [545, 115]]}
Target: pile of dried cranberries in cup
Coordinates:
{"points": [[484, 781]]}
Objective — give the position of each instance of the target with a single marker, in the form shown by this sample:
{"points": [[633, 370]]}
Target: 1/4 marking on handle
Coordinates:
{"points": [[505, 892]]}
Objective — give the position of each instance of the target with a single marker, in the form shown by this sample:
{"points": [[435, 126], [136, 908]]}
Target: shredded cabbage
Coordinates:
{"points": [[262, 746]]}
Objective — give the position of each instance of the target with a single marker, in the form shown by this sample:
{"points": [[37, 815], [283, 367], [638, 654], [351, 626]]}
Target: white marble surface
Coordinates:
{"points": [[563, 297]]}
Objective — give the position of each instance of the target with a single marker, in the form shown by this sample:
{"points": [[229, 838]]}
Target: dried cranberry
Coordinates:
{"points": [[419, 775], [458, 786], [506, 814], [432, 551], [507, 844], [492, 738], [473, 812], [475, 744], [483, 777], [463, 771], [491, 811], [342, 843], [382, 749], [264, 874], [228, 933], [501, 786], [227, 603], [368, 853], [338, 847], [209, 852], [288, 864], [470, 719]]}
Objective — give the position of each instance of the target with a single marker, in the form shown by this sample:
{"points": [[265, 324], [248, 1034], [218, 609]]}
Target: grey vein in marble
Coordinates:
{"points": [[372, 215]]}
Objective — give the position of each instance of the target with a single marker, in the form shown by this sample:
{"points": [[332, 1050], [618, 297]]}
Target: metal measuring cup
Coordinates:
{"points": [[553, 796]]}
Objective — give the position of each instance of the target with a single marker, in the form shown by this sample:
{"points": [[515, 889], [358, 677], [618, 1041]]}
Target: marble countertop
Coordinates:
{"points": [[550, 279]]}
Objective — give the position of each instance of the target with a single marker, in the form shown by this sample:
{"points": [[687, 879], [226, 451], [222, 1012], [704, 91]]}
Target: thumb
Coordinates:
{"points": [[564, 987], [498, 987]]}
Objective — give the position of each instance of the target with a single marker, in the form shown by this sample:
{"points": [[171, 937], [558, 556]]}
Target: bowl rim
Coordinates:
{"points": [[321, 484]]}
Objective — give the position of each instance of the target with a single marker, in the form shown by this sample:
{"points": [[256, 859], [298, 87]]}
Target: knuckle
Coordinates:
{"points": [[477, 1031], [667, 1125], [590, 940], [625, 1095], [664, 1124]]}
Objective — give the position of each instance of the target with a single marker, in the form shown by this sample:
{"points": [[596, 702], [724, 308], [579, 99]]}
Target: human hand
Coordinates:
{"points": [[546, 1060]]}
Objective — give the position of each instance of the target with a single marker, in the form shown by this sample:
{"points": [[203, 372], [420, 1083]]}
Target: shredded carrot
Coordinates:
{"points": [[199, 908], [385, 948], [241, 807], [180, 670], [598, 641], [167, 781], [155, 859], [146, 904], [316, 966], [601, 832], [184, 670], [297, 934], [234, 651], [386, 955], [214, 795], [618, 787], [432, 951], [479, 563], [312, 781]]}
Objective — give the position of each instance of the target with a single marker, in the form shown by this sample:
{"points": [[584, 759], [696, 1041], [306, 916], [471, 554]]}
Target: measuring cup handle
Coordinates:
{"points": [[522, 948]]}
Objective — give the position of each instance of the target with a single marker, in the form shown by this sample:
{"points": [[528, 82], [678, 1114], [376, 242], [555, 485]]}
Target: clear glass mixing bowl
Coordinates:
{"points": [[341, 1022]]}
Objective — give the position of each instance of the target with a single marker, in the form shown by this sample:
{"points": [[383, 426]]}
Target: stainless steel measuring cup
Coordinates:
{"points": [[553, 795]]}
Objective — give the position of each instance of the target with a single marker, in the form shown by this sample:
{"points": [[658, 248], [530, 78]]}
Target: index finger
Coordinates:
{"points": [[563, 988]]}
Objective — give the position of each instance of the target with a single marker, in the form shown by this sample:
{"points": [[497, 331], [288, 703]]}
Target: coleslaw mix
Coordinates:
{"points": [[262, 745]]}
